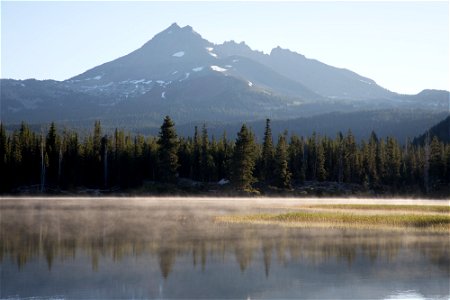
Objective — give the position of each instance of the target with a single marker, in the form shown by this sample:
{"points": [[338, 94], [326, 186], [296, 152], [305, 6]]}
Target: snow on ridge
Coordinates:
{"points": [[209, 49], [368, 82], [163, 83], [98, 77], [218, 69], [186, 76], [178, 54], [197, 69], [137, 81]]}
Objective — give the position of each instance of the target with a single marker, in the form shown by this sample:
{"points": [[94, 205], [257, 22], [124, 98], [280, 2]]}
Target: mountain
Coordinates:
{"points": [[175, 55], [37, 101], [180, 73], [321, 78]]}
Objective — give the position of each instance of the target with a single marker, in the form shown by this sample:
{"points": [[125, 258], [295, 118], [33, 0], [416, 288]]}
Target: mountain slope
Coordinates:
{"points": [[441, 130], [401, 124], [180, 73], [323, 79], [36, 101]]}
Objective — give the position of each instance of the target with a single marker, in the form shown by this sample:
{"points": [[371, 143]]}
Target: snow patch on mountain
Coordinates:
{"points": [[213, 54], [178, 54], [163, 95], [367, 82], [197, 69], [137, 81], [186, 76], [250, 83], [218, 69], [98, 77]]}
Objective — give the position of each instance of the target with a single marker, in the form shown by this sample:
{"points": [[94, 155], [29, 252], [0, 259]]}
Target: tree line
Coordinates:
{"points": [[55, 160]]}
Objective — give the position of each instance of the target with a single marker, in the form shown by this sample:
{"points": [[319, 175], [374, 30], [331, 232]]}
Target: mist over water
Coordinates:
{"points": [[174, 248]]}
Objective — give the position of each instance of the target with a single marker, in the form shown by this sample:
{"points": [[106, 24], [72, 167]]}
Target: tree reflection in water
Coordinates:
{"points": [[116, 230]]}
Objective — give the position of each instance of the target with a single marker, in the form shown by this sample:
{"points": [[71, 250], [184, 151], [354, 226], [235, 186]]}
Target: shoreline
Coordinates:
{"points": [[240, 199]]}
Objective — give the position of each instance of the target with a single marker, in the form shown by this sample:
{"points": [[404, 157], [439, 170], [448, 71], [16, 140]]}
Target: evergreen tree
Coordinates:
{"points": [[339, 145], [447, 163], [185, 152], [196, 172], [52, 144], [267, 157], [437, 163], [4, 186], [206, 159], [321, 173], [393, 159], [296, 158], [244, 160], [281, 170], [371, 159], [224, 157], [350, 158], [71, 160], [381, 161], [104, 160], [311, 157], [167, 152]]}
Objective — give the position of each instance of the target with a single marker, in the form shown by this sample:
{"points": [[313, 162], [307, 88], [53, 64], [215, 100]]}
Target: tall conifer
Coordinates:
{"points": [[167, 152]]}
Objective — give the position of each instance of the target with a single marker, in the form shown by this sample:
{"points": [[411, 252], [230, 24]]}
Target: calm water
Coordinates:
{"points": [[134, 248]]}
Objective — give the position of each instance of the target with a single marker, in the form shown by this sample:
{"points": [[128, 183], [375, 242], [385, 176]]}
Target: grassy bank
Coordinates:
{"points": [[383, 219], [387, 207]]}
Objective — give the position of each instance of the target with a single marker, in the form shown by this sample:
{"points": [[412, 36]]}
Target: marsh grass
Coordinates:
{"points": [[388, 207], [339, 219]]}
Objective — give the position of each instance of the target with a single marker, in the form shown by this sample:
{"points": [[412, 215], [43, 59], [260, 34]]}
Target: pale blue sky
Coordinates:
{"points": [[403, 46]]}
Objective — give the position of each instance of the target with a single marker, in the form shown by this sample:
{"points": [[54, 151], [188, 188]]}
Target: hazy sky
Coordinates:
{"points": [[403, 46]]}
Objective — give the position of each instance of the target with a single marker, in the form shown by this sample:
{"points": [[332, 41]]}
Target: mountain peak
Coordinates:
{"points": [[174, 25], [174, 28]]}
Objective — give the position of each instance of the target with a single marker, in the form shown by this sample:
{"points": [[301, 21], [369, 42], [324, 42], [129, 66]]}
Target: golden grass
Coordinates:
{"points": [[388, 207], [339, 219]]}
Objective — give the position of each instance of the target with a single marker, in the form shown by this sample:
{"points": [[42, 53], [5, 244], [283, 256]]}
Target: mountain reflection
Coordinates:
{"points": [[115, 232]]}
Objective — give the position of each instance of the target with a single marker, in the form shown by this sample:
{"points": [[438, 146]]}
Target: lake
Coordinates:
{"points": [[107, 248]]}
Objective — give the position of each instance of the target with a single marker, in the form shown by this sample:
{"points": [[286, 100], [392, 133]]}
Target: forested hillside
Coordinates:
{"points": [[53, 161], [441, 130]]}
